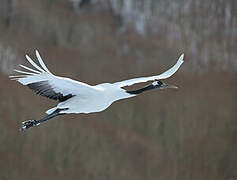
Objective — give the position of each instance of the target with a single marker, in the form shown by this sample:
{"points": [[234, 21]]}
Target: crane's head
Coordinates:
{"points": [[161, 85], [155, 85]]}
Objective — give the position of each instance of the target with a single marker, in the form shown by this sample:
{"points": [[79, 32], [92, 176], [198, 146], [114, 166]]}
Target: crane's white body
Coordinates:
{"points": [[100, 99], [84, 98]]}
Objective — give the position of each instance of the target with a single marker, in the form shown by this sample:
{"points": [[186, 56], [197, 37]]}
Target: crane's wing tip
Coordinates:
{"points": [[36, 51], [181, 58]]}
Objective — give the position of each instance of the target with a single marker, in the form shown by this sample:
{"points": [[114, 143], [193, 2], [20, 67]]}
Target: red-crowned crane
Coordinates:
{"points": [[79, 97]]}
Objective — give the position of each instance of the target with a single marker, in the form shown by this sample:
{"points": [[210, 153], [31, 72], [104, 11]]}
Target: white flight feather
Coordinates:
{"points": [[33, 63], [29, 69], [58, 84], [17, 76], [164, 75], [23, 72], [41, 61]]}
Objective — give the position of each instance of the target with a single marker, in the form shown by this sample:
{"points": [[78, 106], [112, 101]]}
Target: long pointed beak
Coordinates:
{"points": [[169, 86]]}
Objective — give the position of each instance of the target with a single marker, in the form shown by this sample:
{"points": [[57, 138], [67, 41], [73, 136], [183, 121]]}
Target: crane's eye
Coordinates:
{"points": [[157, 83]]}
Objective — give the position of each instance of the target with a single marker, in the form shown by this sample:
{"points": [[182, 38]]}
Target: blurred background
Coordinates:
{"points": [[184, 134]]}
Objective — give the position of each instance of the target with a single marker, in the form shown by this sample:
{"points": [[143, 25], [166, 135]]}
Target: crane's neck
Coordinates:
{"points": [[154, 85]]}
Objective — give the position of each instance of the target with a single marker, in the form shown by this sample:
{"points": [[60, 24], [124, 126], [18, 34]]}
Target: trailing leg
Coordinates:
{"points": [[31, 123]]}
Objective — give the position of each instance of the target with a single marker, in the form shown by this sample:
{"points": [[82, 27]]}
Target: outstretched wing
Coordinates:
{"points": [[44, 83], [164, 75]]}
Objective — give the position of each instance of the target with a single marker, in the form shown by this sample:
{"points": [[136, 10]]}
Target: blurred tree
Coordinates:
{"points": [[79, 4], [7, 10]]}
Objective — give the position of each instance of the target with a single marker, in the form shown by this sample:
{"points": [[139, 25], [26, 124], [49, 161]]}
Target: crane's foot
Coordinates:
{"points": [[28, 124]]}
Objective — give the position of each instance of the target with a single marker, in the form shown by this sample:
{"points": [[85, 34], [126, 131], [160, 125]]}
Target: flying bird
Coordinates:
{"points": [[78, 97]]}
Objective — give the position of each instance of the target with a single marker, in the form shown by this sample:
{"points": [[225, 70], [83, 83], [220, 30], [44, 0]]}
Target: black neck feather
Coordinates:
{"points": [[155, 85], [139, 91]]}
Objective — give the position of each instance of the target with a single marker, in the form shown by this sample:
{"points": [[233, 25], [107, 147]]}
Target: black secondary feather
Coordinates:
{"points": [[43, 88]]}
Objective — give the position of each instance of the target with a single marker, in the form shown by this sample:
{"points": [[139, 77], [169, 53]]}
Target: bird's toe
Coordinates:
{"points": [[27, 124]]}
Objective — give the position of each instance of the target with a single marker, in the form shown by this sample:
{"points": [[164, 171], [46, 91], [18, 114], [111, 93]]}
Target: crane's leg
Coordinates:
{"points": [[31, 123]]}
